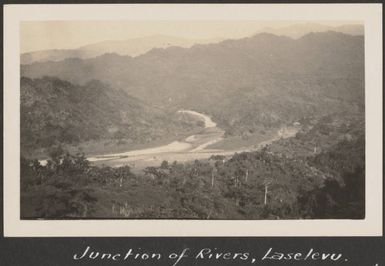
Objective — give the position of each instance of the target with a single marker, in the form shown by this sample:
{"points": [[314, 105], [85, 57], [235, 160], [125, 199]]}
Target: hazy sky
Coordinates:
{"points": [[42, 35]]}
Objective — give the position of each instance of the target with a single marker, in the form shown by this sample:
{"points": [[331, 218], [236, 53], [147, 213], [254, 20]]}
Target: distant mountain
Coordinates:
{"points": [[130, 47], [278, 79], [53, 55], [55, 111], [299, 30]]}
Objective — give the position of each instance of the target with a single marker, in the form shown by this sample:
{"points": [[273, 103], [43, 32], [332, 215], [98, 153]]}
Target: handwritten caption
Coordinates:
{"points": [[177, 257]]}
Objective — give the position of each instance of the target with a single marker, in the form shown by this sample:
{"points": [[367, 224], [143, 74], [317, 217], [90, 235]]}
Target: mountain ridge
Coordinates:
{"points": [[298, 30], [129, 47], [139, 46]]}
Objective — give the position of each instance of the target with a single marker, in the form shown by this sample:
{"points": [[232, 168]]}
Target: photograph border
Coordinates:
{"points": [[370, 14]]}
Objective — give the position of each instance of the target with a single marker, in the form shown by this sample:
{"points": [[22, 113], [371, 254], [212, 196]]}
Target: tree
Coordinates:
{"points": [[164, 165], [267, 182]]}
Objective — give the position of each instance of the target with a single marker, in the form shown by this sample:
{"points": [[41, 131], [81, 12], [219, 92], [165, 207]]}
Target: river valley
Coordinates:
{"points": [[193, 147]]}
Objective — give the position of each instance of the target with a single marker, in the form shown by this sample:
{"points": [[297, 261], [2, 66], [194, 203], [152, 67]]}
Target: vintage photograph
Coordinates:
{"points": [[192, 119]]}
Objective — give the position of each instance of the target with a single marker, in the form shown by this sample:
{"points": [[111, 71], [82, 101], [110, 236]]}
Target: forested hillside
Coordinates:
{"points": [[264, 62], [55, 112], [264, 80]]}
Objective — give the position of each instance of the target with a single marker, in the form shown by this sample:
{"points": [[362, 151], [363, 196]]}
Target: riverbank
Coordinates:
{"points": [[178, 150], [197, 145]]}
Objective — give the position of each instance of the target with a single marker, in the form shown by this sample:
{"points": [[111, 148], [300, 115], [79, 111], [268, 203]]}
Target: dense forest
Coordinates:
{"points": [[318, 174]]}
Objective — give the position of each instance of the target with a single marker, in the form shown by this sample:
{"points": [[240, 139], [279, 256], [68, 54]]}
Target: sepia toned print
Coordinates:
{"points": [[265, 125]]}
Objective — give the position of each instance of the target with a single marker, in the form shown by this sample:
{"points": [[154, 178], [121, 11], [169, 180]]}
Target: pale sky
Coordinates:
{"points": [[43, 35]]}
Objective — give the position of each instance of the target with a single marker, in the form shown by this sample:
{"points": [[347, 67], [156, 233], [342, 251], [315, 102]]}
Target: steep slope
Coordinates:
{"points": [[55, 111]]}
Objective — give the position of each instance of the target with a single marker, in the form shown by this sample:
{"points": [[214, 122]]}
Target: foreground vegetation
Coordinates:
{"points": [[289, 179]]}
